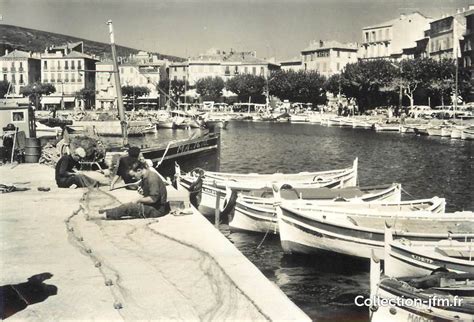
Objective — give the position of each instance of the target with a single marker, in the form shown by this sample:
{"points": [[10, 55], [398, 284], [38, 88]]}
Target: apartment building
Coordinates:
{"points": [[445, 35], [221, 64], [389, 38], [294, 64], [20, 68], [69, 69], [142, 69], [328, 57]]}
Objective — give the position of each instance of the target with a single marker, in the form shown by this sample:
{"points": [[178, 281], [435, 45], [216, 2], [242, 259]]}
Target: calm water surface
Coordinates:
{"points": [[325, 286]]}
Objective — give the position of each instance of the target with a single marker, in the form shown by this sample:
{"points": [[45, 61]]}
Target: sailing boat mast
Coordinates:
{"points": [[123, 120]]}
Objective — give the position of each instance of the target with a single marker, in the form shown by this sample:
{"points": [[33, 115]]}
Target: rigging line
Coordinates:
{"points": [[406, 192]]}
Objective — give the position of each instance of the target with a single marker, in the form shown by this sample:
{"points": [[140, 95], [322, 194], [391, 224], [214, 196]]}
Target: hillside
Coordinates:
{"points": [[14, 37]]}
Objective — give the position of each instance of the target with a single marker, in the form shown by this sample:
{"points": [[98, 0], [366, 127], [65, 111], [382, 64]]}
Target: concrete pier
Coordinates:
{"points": [[171, 268]]}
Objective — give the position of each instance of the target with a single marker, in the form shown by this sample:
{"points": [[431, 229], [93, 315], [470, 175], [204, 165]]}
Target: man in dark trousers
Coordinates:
{"points": [[65, 175], [152, 204], [123, 169]]}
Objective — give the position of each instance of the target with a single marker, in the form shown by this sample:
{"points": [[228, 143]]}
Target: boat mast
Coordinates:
{"points": [[123, 120]]}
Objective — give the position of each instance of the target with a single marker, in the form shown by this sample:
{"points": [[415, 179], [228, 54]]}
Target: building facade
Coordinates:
{"points": [[294, 64], [388, 39], [445, 35], [328, 57], [20, 68], [220, 64], [142, 69], [467, 48], [69, 70]]}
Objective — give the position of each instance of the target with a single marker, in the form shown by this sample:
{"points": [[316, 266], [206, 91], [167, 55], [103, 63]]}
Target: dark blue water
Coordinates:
{"points": [[325, 286]]}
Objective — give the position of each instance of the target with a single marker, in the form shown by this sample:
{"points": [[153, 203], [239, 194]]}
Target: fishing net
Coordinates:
{"points": [[96, 199]]}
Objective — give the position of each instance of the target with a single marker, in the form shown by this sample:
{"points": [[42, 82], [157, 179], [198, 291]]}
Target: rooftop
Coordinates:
{"points": [[395, 20], [19, 54], [329, 44]]}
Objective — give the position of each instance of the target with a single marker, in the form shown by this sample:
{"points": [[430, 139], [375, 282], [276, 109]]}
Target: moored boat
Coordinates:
{"points": [[257, 212], [443, 296], [356, 231], [226, 186], [386, 127], [467, 134], [419, 258]]}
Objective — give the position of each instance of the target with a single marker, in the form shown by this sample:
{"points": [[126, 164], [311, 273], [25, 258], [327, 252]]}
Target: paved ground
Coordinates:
{"points": [[174, 268]]}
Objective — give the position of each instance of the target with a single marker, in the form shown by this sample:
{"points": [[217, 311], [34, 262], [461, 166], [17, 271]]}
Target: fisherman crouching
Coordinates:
{"points": [[66, 177], [153, 202]]}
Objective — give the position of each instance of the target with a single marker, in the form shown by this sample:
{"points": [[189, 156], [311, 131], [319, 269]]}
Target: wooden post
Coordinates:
{"points": [[218, 209]]}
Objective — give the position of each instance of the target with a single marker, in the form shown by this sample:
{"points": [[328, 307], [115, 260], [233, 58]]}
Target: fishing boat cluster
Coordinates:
{"points": [[427, 252]]}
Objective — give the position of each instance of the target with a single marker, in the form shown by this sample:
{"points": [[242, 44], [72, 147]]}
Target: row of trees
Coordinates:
{"points": [[371, 83], [380, 82]]}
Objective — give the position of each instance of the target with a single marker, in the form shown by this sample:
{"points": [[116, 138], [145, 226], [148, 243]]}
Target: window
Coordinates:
{"points": [[254, 70], [73, 78], [227, 70], [246, 70], [21, 66], [79, 64], [337, 66], [4, 77], [387, 33], [66, 78], [175, 78], [236, 70], [72, 64], [338, 53], [59, 65], [66, 65], [18, 116], [262, 71], [21, 78], [367, 37], [45, 64], [13, 79], [175, 69]]}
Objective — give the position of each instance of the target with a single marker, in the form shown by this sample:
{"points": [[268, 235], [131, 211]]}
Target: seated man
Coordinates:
{"points": [[152, 204], [65, 175], [125, 164]]}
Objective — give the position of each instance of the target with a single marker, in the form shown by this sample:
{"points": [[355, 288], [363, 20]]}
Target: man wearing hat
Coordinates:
{"points": [[123, 169], [66, 177]]}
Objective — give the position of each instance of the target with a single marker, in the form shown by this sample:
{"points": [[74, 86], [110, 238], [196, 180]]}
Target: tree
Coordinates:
{"points": [[247, 86], [300, 86], [210, 88], [4, 86], [87, 95], [366, 81], [36, 90]]}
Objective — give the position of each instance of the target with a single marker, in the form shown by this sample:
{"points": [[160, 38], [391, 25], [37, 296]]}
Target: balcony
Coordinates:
{"points": [[13, 70], [4, 69], [21, 69]]}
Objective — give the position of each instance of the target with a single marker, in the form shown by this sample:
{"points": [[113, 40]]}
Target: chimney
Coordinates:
{"points": [[458, 10], [402, 16], [321, 43]]}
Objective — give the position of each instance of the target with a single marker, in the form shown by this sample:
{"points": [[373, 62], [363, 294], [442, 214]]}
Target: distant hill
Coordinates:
{"points": [[14, 37]]}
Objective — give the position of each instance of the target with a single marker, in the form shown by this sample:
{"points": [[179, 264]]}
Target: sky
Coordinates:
{"points": [[278, 28]]}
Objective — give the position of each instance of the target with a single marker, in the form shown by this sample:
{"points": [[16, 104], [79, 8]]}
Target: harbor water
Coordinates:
{"points": [[325, 286]]}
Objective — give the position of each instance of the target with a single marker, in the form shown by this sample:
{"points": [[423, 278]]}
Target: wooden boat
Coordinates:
{"points": [[419, 258], [227, 188], [364, 124], [456, 131], [386, 127], [269, 179], [114, 128], [334, 121], [257, 211], [446, 131], [299, 118], [467, 134], [165, 124], [356, 231], [408, 128], [434, 130], [439, 297]]}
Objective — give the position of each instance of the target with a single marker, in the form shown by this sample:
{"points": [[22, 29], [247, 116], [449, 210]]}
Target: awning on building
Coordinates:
{"points": [[69, 99], [50, 100]]}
